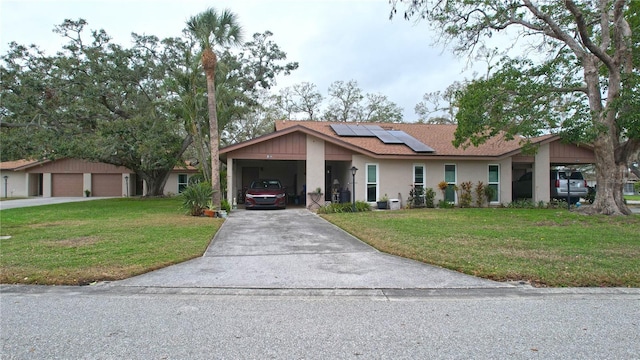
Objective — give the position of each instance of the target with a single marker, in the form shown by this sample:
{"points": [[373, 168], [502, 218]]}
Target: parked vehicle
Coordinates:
{"points": [[577, 187], [266, 193], [523, 187]]}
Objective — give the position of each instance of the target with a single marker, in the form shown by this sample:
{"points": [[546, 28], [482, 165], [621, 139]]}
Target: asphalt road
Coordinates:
{"points": [[105, 323], [304, 290]]}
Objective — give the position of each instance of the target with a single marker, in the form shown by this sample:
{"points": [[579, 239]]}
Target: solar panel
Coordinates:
{"points": [[386, 137], [360, 130], [411, 142], [343, 130]]}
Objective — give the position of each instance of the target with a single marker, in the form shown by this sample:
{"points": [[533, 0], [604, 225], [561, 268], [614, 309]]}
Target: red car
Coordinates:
{"points": [[266, 193]]}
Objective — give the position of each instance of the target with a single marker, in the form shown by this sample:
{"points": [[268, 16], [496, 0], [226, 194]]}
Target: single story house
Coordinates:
{"points": [[72, 177], [391, 159]]}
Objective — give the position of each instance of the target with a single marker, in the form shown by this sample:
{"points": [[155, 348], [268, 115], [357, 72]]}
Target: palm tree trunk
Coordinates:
{"points": [[209, 61]]}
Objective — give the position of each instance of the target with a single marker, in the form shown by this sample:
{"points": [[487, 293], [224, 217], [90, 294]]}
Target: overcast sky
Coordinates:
{"points": [[331, 40]]}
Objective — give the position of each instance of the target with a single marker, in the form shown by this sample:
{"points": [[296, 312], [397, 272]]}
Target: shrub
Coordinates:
{"points": [[337, 208], [224, 205], [489, 193], [465, 194], [429, 195], [445, 204], [416, 198], [196, 198], [557, 204], [522, 204], [480, 194]]}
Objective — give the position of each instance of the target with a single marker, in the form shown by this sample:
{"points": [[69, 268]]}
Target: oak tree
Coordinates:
{"points": [[577, 74]]}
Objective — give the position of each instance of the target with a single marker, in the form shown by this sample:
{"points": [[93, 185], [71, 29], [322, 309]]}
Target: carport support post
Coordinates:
{"points": [[353, 187], [568, 190]]}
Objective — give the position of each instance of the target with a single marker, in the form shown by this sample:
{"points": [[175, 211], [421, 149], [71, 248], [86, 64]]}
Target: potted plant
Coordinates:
{"points": [[383, 203], [209, 211], [87, 193]]}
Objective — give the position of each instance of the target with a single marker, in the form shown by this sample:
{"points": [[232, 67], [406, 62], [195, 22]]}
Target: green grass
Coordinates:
{"points": [[79, 243], [83, 242], [632, 197], [546, 247]]}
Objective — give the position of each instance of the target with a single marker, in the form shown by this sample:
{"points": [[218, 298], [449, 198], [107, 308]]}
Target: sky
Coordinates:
{"points": [[330, 39]]}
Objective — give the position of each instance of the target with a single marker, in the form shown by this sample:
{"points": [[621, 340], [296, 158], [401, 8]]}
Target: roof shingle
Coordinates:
{"points": [[439, 137]]}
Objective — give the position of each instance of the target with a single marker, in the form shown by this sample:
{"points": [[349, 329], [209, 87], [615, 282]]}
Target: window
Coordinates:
{"points": [[628, 189], [450, 178], [183, 182], [494, 182], [418, 175], [372, 182], [418, 193]]}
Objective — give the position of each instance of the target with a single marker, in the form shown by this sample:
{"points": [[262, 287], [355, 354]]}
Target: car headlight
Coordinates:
{"points": [[280, 196], [249, 196]]}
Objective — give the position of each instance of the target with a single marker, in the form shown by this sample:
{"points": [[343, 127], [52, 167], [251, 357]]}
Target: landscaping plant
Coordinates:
{"points": [[197, 197]]}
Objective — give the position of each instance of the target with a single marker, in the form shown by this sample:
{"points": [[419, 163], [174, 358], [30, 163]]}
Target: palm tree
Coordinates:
{"points": [[211, 28]]}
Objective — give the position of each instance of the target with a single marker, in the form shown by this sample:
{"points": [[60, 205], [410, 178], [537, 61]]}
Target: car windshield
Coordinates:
{"points": [[266, 184]]}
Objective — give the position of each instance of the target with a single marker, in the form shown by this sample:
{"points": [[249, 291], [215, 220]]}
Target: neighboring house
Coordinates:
{"points": [[390, 158], [72, 177], [629, 187]]}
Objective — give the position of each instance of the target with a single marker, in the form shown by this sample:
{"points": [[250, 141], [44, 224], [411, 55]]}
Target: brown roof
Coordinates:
{"points": [[438, 137], [17, 164], [25, 164]]}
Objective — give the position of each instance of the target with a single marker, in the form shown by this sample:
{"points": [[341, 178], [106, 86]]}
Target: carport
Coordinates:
{"points": [[300, 158], [551, 153]]}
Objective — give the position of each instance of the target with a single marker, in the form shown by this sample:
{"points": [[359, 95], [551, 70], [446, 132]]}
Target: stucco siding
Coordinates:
{"points": [[541, 185], [315, 166], [16, 184], [171, 186], [396, 176]]}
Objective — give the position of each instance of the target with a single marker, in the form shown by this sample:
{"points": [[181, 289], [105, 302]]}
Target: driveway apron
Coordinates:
{"points": [[296, 249]]}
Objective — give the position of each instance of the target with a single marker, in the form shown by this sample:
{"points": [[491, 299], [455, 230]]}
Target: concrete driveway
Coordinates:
{"points": [[296, 249]]}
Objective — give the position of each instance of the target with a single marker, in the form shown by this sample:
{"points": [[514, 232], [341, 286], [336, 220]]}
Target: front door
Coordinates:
{"points": [[327, 183]]}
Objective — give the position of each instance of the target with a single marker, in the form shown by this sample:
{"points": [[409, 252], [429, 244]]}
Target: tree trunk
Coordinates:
{"points": [[209, 64], [155, 182], [610, 174], [610, 178]]}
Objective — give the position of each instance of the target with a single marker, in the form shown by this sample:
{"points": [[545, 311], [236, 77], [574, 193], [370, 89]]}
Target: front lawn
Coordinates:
{"points": [[546, 247], [79, 243]]}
